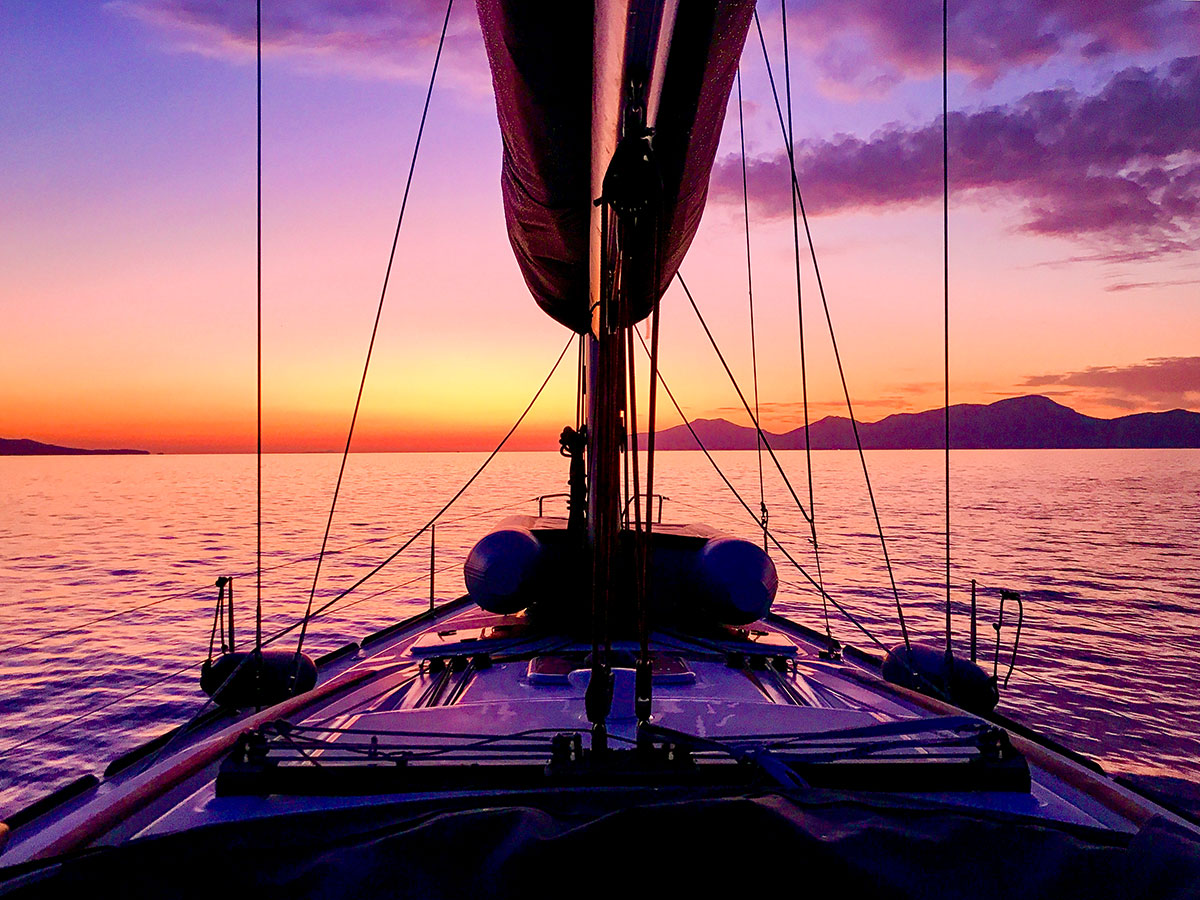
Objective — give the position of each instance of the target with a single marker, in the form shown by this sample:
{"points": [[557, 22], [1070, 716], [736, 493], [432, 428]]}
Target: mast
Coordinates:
{"points": [[620, 101], [631, 40]]}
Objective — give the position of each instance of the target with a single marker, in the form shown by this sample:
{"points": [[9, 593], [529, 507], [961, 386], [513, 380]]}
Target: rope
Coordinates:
{"points": [[174, 673], [790, 138], [946, 288], [832, 336], [259, 430], [644, 689], [631, 450], [212, 638], [74, 628], [243, 574], [721, 356], [311, 614], [91, 712], [395, 587], [762, 491], [375, 328], [580, 388], [787, 555]]}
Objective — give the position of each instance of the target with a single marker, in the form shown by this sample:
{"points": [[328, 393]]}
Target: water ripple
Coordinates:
{"points": [[1100, 543]]}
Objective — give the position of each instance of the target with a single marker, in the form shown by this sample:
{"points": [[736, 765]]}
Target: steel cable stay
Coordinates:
{"points": [[745, 405], [762, 491], [258, 421], [97, 709], [177, 672], [832, 336], [375, 327], [312, 614], [199, 589], [812, 505], [802, 537], [946, 300], [782, 549], [926, 570], [778, 465]]}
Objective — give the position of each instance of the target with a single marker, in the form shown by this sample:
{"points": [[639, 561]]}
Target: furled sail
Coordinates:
{"points": [[542, 68]]}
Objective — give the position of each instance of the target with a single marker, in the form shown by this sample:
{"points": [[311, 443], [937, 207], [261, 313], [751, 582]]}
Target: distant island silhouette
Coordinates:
{"points": [[26, 447], [1018, 423], [1032, 422]]}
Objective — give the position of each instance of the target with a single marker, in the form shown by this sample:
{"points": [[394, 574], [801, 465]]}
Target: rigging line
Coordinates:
{"points": [[121, 612], [641, 544], [652, 399], [378, 315], [946, 286], [580, 386], [721, 356], [790, 139], [790, 150], [762, 491], [242, 574], [643, 692], [96, 709], [312, 614], [631, 446], [485, 512], [217, 621], [455, 564], [652, 414], [787, 555], [205, 587], [631, 441], [258, 451], [187, 726]]}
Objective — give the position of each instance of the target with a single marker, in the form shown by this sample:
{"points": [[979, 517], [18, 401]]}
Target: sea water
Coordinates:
{"points": [[108, 568]]}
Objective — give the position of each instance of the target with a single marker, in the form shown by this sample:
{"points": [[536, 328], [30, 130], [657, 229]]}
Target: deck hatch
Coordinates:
{"points": [[555, 669], [476, 635]]}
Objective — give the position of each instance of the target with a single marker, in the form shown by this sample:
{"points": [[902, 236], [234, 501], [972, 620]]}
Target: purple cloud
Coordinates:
{"points": [[790, 413], [370, 38], [1139, 285], [1119, 169], [874, 41], [1164, 382]]}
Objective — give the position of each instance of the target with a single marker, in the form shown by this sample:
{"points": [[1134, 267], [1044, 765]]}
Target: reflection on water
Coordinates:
{"points": [[1101, 543]]}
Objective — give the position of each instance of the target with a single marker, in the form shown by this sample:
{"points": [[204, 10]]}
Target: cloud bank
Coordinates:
{"points": [[366, 38], [1166, 382], [1119, 169], [874, 43]]}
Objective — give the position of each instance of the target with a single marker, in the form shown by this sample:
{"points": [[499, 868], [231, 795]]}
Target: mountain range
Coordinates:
{"points": [[27, 447], [1031, 422]]}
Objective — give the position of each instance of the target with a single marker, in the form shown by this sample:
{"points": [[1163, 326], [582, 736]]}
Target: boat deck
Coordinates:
{"points": [[462, 704], [479, 692]]}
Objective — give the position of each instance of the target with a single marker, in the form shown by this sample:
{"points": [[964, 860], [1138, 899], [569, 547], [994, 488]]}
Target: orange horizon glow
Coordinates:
{"points": [[326, 433], [127, 267]]}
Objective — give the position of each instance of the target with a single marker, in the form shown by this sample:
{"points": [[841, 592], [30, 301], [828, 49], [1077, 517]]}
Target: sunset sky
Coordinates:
{"points": [[127, 222]]}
